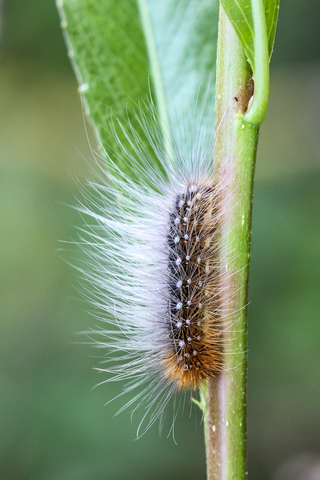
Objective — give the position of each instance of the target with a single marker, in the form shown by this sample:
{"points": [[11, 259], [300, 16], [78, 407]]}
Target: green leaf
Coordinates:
{"points": [[240, 15], [116, 44], [272, 11], [108, 52]]}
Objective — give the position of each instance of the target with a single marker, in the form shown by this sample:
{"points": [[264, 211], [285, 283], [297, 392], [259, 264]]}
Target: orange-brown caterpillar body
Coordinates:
{"points": [[195, 335]]}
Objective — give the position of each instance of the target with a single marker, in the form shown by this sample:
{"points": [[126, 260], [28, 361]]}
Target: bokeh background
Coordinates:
{"points": [[52, 425]]}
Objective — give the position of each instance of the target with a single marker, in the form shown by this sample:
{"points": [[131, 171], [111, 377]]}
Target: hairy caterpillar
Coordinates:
{"points": [[193, 287], [153, 268]]}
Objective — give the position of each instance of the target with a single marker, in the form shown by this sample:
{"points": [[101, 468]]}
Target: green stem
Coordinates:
{"points": [[235, 152], [257, 111]]}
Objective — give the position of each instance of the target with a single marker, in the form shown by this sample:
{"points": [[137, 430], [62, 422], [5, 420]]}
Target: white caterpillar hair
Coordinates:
{"points": [[152, 267]]}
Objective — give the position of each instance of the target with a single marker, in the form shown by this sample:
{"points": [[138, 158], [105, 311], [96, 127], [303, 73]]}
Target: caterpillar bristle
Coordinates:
{"points": [[153, 269], [195, 338]]}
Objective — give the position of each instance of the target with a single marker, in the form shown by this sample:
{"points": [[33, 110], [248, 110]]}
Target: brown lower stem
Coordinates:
{"points": [[214, 431]]}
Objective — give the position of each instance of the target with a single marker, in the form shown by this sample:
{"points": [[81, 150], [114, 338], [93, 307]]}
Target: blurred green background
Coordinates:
{"points": [[52, 425]]}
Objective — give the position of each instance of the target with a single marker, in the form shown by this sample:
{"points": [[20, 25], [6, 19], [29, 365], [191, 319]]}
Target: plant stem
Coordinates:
{"points": [[235, 152], [258, 109]]}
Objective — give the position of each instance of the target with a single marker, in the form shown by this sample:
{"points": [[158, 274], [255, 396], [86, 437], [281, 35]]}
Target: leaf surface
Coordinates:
{"points": [[240, 15], [110, 52]]}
